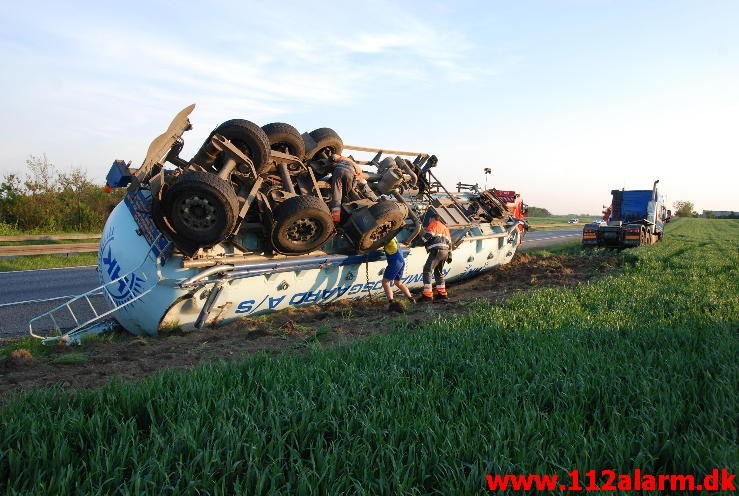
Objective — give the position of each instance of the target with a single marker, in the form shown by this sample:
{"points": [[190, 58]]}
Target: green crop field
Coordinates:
{"points": [[636, 370]]}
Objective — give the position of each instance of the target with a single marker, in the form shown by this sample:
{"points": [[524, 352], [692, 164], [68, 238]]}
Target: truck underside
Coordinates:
{"points": [[615, 234]]}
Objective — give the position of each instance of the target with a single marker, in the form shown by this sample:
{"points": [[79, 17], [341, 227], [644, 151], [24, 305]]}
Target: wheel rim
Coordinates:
{"points": [[197, 212], [303, 231]]}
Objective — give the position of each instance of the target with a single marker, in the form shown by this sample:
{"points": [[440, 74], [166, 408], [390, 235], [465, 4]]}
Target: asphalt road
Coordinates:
{"points": [[540, 239], [28, 293]]}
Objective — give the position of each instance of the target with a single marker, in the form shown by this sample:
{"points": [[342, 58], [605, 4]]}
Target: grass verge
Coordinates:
{"points": [[634, 371], [28, 343], [48, 242], [556, 222], [47, 261]]}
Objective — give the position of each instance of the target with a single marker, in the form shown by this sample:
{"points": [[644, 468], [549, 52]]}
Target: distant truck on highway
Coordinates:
{"points": [[635, 218]]}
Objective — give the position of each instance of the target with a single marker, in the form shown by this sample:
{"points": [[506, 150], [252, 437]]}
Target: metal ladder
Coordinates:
{"points": [[94, 324]]}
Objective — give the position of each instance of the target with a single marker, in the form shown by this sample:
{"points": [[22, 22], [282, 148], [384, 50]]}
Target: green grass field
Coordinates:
{"points": [[637, 370], [557, 222], [47, 261], [30, 262]]}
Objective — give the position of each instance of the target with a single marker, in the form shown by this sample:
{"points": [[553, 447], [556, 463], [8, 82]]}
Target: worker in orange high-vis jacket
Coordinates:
{"points": [[438, 242], [346, 180]]}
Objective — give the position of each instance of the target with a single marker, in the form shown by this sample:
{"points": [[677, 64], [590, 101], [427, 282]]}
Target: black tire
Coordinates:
{"points": [[285, 138], [389, 219], [201, 207], [327, 142], [186, 246], [300, 225], [246, 136]]}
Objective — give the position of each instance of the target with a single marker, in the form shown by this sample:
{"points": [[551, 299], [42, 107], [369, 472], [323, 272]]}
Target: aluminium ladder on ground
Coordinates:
{"points": [[93, 325]]}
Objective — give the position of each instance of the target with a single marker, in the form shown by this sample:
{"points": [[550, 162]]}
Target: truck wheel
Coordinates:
{"points": [[327, 142], [285, 138], [300, 225], [201, 207], [246, 136], [372, 228]]}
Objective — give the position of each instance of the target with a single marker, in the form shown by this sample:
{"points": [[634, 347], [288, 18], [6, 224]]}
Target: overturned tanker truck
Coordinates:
{"points": [[244, 228]]}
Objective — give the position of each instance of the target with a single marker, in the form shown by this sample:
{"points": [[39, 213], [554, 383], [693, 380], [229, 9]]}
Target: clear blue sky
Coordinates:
{"points": [[564, 100]]}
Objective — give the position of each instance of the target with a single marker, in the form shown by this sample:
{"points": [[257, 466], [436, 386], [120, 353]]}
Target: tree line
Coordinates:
{"points": [[46, 199]]}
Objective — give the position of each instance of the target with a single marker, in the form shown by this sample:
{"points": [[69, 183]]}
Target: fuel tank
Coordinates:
{"points": [[156, 289]]}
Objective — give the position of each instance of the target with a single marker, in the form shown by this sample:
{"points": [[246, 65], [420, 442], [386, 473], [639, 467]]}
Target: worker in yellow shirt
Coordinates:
{"points": [[394, 273]]}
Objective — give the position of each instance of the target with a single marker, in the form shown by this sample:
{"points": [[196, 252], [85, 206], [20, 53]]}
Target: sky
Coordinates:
{"points": [[563, 99]]}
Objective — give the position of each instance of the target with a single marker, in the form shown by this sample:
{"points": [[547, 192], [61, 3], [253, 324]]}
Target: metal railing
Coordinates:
{"points": [[74, 334], [47, 249]]}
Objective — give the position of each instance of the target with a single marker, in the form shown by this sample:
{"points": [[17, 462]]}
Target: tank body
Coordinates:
{"points": [[153, 275]]}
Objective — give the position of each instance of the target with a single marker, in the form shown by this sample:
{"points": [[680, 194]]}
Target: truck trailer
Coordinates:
{"points": [[635, 218]]}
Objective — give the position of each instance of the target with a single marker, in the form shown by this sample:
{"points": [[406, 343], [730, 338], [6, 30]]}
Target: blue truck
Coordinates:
{"points": [[635, 218]]}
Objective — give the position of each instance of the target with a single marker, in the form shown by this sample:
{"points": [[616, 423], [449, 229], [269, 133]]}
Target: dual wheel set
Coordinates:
{"points": [[200, 207]]}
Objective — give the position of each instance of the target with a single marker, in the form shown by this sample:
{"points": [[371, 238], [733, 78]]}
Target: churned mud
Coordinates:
{"points": [[122, 356]]}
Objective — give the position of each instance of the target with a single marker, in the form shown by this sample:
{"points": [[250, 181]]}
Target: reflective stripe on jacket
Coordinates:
{"points": [[437, 236]]}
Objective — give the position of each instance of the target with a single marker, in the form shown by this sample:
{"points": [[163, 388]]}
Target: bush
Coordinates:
{"points": [[49, 200], [539, 212]]}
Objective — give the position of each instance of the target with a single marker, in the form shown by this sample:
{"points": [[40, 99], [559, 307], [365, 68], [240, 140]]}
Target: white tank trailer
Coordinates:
{"points": [[153, 275]]}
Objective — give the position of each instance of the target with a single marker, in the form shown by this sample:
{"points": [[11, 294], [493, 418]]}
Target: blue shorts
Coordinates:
{"points": [[394, 270]]}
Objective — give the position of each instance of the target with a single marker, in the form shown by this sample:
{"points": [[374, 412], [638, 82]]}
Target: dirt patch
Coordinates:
{"points": [[120, 355]]}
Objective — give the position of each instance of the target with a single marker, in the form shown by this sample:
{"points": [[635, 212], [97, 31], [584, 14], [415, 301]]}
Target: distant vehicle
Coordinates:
{"points": [[598, 221], [573, 221], [635, 218]]}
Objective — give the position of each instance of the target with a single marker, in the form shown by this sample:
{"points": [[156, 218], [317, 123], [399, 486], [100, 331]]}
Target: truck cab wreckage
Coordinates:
{"points": [[244, 228]]}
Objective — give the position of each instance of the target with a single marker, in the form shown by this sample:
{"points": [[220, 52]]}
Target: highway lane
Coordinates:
{"points": [[28, 293], [540, 239], [42, 284]]}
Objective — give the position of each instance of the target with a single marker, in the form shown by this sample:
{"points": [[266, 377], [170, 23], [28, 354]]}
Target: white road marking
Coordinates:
{"points": [[572, 235], [42, 301], [50, 268]]}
